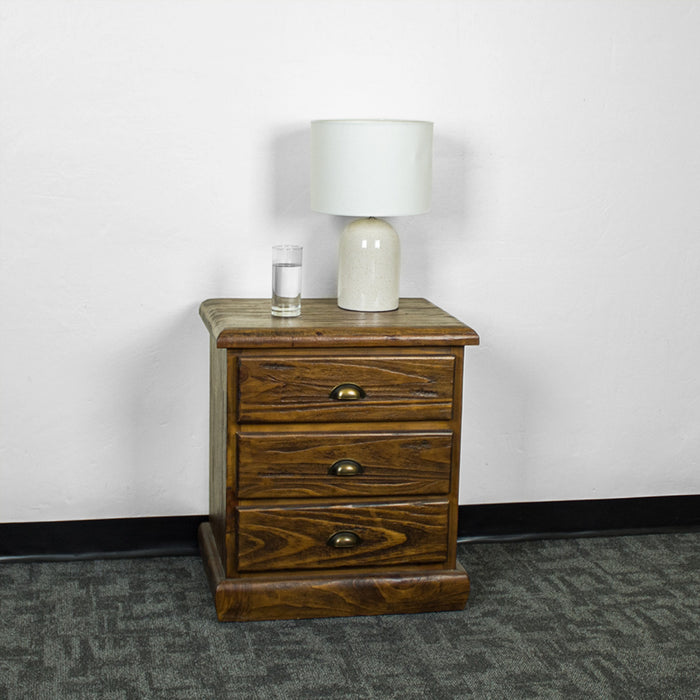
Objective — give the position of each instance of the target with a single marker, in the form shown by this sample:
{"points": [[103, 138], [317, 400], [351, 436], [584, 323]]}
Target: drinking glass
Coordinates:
{"points": [[286, 280]]}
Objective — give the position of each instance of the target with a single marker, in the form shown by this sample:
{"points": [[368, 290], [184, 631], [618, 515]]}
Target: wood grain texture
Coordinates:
{"points": [[276, 430], [294, 537], [455, 472], [340, 596], [330, 594], [282, 388], [247, 323], [283, 465], [218, 418], [213, 567]]}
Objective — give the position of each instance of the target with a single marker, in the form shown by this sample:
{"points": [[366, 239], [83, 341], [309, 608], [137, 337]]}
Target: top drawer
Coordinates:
{"points": [[279, 389]]}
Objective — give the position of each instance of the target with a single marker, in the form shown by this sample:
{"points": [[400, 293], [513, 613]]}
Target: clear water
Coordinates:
{"points": [[286, 289]]}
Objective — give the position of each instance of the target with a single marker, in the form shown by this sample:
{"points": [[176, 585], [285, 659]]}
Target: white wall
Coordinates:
{"points": [[151, 152]]}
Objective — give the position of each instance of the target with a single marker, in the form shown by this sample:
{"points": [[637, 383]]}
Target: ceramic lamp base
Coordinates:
{"points": [[368, 266]]}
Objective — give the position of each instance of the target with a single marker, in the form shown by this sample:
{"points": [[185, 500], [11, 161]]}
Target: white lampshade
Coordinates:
{"points": [[371, 167]]}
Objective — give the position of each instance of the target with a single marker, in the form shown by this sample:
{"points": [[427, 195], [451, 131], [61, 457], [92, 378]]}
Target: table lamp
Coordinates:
{"points": [[370, 168]]}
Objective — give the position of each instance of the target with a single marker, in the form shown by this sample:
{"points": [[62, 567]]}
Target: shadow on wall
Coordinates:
{"points": [[167, 418], [423, 237], [290, 163], [495, 403], [427, 240], [291, 174]]}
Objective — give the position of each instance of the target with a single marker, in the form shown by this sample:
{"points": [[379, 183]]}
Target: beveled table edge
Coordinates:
{"points": [[247, 323]]}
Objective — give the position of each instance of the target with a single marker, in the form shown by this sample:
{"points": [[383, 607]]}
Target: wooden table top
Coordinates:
{"points": [[241, 323]]}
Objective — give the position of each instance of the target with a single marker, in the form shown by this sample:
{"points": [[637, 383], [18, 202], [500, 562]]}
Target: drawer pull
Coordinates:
{"points": [[348, 392], [344, 540], [345, 467]]}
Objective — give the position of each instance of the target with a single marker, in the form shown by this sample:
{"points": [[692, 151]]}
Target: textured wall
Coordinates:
{"points": [[151, 152]]}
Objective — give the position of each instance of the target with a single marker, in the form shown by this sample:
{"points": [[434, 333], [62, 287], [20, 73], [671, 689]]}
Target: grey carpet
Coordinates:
{"points": [[611, 617]]}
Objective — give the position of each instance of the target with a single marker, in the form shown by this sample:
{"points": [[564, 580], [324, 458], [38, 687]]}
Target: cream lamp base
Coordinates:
{"points": [[368, 266]]}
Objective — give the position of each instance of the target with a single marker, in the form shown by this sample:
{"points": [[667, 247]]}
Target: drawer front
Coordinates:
{"points": [[298, 389], [301, 537], [304, 465]]}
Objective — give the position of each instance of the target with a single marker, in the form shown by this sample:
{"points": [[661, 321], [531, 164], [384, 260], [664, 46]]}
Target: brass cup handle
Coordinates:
{"points": [[344, 540], [345, 467], [347, 392]]}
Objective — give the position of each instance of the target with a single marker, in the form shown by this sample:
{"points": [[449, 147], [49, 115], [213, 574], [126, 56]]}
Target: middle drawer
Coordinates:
{"points": [[313, 464]]}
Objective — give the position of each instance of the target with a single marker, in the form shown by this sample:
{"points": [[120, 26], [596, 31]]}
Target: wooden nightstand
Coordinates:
{"points": [[334, 460]]}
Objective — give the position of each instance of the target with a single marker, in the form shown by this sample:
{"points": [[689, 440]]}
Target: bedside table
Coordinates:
{"points": [[334, 460]]}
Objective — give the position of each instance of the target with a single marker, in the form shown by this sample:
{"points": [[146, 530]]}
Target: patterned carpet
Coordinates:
{"points": [[587, 618]]}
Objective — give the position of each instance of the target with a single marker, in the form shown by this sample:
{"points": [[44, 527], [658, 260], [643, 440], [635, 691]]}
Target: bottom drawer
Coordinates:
{"points": [[330, 536]]}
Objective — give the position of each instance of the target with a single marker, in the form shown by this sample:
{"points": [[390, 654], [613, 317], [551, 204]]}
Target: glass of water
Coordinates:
{"points": [[286, 280]]}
